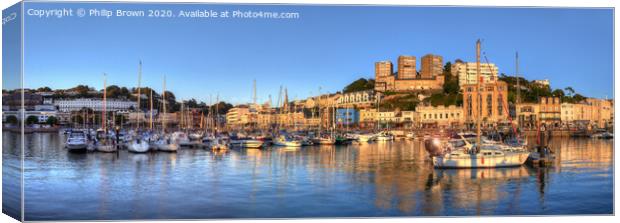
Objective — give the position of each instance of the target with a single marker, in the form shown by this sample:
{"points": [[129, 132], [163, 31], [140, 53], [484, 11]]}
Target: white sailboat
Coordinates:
{"points": [[137, 144], [105, 142], [481, 155], [165, 142]]}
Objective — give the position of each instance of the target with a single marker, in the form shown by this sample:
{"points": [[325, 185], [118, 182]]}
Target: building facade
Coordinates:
{"points": [[527, 115], [432, 66], [491, 103], [238, 116], [347, 117], [440, 116], [69, 105], [359, 99], [407, 79], [407, 67], [549, 111], [466, 72]]}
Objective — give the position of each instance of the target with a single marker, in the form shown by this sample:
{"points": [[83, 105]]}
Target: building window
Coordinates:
{"points": [[500, 105], [489, 105], [469, 105]]}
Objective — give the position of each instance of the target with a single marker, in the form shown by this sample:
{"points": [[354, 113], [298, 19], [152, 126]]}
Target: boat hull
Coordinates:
{"points": [[477, 161]]}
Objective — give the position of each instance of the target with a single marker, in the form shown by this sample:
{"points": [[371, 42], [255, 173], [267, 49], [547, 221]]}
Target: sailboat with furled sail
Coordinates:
{"points": [[137, 144], [105, 142], [165, 142], [464, 154]]}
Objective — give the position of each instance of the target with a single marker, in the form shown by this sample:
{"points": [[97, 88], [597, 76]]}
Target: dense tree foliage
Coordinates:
{"points": [[531, 92], [52, 121], [32, 120], [12, 119], [360, 85]]}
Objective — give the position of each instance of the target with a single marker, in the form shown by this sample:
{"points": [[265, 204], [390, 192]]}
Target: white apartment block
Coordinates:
{"points": [[70, 105], [466, 72]]}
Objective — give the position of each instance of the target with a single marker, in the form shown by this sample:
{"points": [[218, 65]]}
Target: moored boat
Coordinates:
{"points": [[76, 142]]}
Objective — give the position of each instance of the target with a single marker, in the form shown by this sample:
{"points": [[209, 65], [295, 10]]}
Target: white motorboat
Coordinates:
{"points": [[76, 142], [487, 156], [410, 136], [384, 136], [282, 140], [325, 140], [366, 137]]}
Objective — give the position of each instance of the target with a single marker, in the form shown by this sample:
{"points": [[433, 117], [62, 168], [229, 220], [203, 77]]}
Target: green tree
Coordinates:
{"points": [[451, 83], [82, 90], [52, 121], [12, 119], [32, 120], [360, 85], [44, 89], [558, 93], [570, 91]]}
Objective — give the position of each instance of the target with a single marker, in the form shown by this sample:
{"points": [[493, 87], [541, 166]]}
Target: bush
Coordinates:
{"points": [[12, 119], [32, 120]]}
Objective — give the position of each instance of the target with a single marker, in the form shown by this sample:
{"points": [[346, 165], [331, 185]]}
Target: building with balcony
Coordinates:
{"points": [[115, 105], [347, 117], [467, 72]]}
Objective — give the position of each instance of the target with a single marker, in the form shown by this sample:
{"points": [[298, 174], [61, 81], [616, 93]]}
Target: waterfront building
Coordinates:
{"points": [[238, 116], [407, 79], [432, 65], [527, 115], [440, 116], [549, 111], [387, 117], [601, 110], [347, 116], [466, 72], [408, 119], [359, 99], [95, 104], [41, 116], [368, 117], [493, 106]]}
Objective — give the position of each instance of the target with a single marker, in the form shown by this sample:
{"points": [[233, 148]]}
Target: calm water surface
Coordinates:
{"points": [[377, 179]]}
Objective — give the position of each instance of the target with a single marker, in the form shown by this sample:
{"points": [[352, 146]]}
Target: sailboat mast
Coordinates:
{"points": [[151, 110], [163, 121], [478, 97], [139, 94], [517, 74], [103, 114]]}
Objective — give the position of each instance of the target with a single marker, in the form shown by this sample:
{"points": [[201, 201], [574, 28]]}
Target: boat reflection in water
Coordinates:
{"points": [[393, 178]]}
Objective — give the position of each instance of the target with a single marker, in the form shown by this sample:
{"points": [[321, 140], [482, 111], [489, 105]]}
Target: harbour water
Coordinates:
{"points": [[366, 180]]}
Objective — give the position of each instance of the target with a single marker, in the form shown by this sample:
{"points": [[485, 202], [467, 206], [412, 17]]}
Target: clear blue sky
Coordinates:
{"points": [[327, 47]]}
